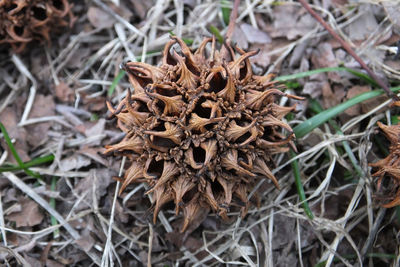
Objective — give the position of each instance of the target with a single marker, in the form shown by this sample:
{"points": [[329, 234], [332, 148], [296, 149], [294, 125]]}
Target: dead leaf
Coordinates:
{"points": [[313, 89], [264, 57], [354, 91], [141, 7], [254, 35], [74, 162], [9, 119], [64, 93], [94, 104], [94, 153], [298, 53], [290, 22], [361, 28], [323, 57], [30, 214], [79, 57], [51, 263], [96, 129], [43, 106], [100, 19], [392, 9], [86, 242], [329, 98], [99, 179], [239, 38], [45, 253], [32, 261]]}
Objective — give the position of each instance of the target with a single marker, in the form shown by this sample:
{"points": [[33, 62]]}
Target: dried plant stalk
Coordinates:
{"points": [[200, 129], [22, 21], [388, 172]]}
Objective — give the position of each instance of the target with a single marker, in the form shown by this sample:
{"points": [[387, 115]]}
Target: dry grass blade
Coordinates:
{"points": [[45, 205]]}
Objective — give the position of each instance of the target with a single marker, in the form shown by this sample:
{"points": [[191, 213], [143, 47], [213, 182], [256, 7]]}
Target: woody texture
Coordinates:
{"points": [[24, 21], [388, 169], [201, 129]]}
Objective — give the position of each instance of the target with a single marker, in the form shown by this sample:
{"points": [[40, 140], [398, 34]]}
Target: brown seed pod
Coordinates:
{"points": [[388, 172], [200, 129], [22, 21]]}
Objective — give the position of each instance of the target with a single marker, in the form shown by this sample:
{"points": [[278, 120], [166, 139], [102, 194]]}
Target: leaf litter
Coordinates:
{"points": [[68, 120]]}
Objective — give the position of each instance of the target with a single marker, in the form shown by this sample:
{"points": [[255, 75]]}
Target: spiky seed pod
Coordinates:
{"points": [[389, 168], [200, 129], [22, 21]]}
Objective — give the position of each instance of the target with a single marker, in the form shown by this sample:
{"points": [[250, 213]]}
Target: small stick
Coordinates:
{"points": [[347, 47], [232, 21], [231, 29]]}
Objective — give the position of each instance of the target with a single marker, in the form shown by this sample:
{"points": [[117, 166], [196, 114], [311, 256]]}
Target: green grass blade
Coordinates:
{"points": [[217, 34], [28, 164], [312, 123], [115, 82], [15, 154], [299, 186], [226, 11], [316, 107]]}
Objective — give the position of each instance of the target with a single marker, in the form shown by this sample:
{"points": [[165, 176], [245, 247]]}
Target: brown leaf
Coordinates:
{"points": [[239, 38], [141, 7], [86, 242], [74, 162], [94, 153], [289, 23], [99, 19], [323, 57], [96, 129], [30, 214], [64, 93], [98, 179], [392, 9], [43, 106], [354, 91], [9, 119], [254, 35], [361, 28]]}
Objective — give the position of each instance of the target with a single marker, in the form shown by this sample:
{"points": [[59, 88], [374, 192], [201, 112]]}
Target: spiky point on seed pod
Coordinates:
{"points": [[388, 169], [23, 21], [201, 129]]}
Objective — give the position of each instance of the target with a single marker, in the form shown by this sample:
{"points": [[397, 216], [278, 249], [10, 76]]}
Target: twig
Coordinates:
{"points": [[232, 21], [349, 50], [231, 28], [151, 234]]}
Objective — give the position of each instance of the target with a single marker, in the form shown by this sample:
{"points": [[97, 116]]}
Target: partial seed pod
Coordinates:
{"points": [[388, 172], [201, 129], [23, 21]]}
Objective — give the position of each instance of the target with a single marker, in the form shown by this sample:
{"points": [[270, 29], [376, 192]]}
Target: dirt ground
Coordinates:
{"points": [[63, 209]]}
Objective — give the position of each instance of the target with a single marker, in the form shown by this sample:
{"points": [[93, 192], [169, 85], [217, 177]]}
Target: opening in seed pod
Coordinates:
{"points": [[200, 110], [10, 7], [155, 168], [19, 30], [217, 83], [39, 13], [58, 4], [199, 155]]}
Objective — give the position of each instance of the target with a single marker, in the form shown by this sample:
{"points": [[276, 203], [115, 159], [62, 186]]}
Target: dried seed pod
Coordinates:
{"points": [[200, 129], [22, 21], [389, 169]]}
